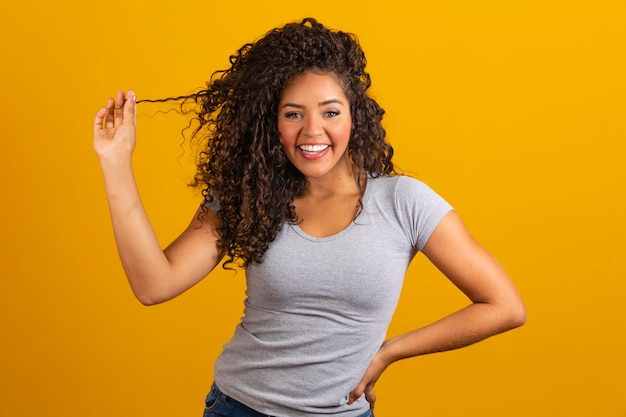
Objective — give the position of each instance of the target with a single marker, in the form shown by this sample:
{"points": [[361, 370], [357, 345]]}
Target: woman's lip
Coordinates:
{"points": [[313, 155]]}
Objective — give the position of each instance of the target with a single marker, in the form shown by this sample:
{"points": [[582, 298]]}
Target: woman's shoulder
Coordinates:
{"points": [[395, 181], [404, 190]]}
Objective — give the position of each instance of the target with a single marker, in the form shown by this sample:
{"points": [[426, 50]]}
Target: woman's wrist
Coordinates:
{"points": [[115, 160], [388, 352]]}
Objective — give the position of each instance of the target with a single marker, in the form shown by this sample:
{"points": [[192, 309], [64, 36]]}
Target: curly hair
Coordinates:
{"points": [[241, 168]]}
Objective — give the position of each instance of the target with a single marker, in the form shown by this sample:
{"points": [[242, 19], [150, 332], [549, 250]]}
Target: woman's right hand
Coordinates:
{"points": [[114, 126]]}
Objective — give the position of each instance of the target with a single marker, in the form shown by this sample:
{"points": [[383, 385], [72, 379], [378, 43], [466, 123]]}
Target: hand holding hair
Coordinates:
{"points": [[114, 126]]}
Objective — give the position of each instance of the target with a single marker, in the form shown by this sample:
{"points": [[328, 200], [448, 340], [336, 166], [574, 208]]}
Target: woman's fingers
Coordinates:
{"points": [[370, 396], [129, 108], [109, 122], [119, 109], [97, 123]]}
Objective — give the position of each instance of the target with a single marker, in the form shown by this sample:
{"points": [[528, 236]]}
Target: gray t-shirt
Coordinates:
{"points": [[318, 309]]}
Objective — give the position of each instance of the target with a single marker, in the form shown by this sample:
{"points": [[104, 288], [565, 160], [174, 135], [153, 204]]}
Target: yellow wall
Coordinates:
{"points": [[513, 110]]}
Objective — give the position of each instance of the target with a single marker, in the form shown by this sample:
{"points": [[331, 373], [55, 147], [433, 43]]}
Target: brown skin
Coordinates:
{"points": [[314, 111]]}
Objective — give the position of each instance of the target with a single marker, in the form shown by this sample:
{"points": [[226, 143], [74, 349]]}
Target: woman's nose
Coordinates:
{"points": [[313, 126]]}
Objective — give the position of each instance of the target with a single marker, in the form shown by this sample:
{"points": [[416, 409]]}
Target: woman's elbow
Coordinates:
{"points": [[148, 300], [515, 315], [150, 297]]}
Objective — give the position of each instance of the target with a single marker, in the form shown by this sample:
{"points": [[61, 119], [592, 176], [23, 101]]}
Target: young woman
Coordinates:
{"points": [[300, 190]]}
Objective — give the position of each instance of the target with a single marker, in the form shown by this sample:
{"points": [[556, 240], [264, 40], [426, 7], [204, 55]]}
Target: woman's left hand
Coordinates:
{"points": [[366, 385]]}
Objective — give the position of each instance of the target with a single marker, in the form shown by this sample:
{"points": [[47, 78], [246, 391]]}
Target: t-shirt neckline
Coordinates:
{"points": [[296, 228]]}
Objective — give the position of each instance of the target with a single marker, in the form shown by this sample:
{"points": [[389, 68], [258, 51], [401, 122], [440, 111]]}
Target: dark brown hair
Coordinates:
{"points": [[242, 169]]}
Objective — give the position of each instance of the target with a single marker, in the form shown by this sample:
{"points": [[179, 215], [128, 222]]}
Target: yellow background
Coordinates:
{"points": [[513, 110]]}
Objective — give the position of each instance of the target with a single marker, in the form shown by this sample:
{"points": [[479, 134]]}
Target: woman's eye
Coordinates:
{"points": [[293, 115], [331, 113]]}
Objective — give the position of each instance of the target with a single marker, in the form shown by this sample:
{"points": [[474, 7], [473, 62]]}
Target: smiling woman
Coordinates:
{"points": [[300, 189], [314, 125]]}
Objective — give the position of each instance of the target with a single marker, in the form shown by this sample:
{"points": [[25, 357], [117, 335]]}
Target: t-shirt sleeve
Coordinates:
{"points": [[213, 203], [420, 209]]}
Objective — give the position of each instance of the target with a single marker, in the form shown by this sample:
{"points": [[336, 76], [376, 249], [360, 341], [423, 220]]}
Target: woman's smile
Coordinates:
{"points": [[313, 151]]}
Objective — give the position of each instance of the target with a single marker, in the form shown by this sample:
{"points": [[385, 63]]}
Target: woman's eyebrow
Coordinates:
{"points": [[331, 101], [320, 104]]}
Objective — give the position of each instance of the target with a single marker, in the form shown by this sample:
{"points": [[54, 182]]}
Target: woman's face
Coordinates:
{"points": [[314, 124]]}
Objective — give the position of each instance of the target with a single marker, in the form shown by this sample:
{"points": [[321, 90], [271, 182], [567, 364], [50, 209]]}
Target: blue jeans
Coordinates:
{"points": [[219, 404]]}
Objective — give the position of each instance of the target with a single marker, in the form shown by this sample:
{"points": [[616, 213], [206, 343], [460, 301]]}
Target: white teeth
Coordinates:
{"points": [[313, 148]]}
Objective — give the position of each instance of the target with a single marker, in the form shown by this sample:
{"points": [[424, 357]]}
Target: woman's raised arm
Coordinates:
{"points": [[155, 275]]}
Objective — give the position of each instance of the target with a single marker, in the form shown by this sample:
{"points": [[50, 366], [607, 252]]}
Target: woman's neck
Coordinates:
{"points": [[338, 185]]}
